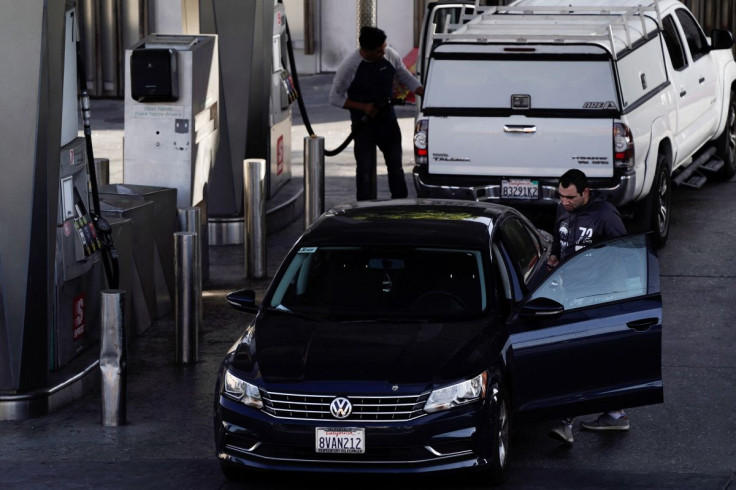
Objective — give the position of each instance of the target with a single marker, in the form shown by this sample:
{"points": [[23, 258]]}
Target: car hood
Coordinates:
{"points": [[289, 349]]}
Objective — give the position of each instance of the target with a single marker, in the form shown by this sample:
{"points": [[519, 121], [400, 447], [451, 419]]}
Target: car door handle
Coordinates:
{"points": [[702, 80], [683, 93], [519, 129], [643, 324]]}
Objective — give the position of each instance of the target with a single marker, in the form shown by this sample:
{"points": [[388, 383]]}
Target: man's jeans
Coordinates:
{"points": [[386, 135]]}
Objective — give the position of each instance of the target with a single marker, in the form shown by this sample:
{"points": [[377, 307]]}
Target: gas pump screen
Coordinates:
{"points": [[277, 66]]}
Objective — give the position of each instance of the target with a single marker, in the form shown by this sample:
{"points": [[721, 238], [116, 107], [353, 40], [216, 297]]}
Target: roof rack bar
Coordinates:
{"points": [[612, 40], [619, 20], [485, 36], [627, 32]]}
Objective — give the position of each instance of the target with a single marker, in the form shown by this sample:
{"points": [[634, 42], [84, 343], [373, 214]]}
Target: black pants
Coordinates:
{"points": [[386, 135]]}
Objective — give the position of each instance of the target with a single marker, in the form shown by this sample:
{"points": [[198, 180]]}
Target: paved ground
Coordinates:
{"points": [[689, 442]]}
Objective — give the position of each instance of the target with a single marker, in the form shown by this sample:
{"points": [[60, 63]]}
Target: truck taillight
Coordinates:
{"points": [[623, 146], [420, 141]]}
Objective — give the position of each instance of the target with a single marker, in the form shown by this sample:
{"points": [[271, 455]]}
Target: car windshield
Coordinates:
{"points": [[382, 283]]}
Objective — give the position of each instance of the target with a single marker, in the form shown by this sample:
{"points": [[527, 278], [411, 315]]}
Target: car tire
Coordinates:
{"points": [[500, 425], [654, 215], [726, 142]]}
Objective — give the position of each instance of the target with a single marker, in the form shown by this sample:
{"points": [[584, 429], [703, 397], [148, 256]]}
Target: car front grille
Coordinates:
{"points": [[365, 408], [402, 456]]}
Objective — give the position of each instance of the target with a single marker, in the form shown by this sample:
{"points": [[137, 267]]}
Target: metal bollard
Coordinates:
{"points": [[102, 170], [254, 209], [113, 358], [190, 219], [314, 179], [188, 289]]}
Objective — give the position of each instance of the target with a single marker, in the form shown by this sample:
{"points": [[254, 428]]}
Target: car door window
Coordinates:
{"points": [[599, 274], [524, 249], [673, 43], [694, 36], [503, 274]]}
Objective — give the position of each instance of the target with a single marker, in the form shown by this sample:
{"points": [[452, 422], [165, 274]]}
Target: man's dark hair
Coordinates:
{"points": [[371, 38], [575, 177]]}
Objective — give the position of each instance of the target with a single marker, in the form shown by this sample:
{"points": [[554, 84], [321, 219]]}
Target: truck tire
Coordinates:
{"points": [[726, 142], [659, 202]]}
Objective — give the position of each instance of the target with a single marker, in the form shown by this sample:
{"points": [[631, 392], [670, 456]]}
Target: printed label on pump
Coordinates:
{"points": [[280, 155], [159, 111], [78, 321]]}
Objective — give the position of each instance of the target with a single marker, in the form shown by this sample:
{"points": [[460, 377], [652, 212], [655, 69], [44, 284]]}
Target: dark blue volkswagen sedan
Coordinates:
{"points": [[403, 336]]}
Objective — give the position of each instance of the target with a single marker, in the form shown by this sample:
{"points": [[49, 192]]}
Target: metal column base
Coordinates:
{"points": [[46, 400], [282, 210]]}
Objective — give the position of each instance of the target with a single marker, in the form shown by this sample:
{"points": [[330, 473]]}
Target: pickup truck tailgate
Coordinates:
{"points": [[520, 146]]}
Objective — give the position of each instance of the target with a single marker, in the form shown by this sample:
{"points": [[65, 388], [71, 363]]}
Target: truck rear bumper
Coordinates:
{"points": [[620, 190]]}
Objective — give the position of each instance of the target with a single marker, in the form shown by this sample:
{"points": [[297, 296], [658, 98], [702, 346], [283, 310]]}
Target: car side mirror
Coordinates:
{"points": [[540, 308], [721, 39], [243, 300]]}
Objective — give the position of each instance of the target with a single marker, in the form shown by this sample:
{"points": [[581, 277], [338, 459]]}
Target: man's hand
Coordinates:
{"points": [[370, 109], [552, 262]]}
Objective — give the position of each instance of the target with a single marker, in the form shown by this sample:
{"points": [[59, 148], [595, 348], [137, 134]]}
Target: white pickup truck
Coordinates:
{"points": [[632, 92]]}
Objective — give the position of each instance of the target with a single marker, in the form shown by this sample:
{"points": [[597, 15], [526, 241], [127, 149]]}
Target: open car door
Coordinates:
{"points": [[439, 18], [588, 338]]}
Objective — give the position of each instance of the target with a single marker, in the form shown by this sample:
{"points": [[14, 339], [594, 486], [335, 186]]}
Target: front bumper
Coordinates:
{"points": [[443, 441], [619, 190]]}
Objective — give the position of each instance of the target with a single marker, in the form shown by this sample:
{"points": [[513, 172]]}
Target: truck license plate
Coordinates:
{"points": [[340, 440], [520, 189]]}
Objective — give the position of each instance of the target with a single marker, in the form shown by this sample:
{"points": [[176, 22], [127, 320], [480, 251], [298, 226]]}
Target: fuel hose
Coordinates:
{"points": [[102, 227], [300, 100]]}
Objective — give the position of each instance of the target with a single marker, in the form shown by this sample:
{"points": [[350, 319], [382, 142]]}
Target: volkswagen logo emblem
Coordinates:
{"points": [[340, 408]]}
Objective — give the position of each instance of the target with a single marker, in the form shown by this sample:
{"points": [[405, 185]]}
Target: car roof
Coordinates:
{"points": [[434, 222]]}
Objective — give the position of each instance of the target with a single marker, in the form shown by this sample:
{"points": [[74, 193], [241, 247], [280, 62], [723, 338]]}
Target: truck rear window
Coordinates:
{"points": [[550, 84]]}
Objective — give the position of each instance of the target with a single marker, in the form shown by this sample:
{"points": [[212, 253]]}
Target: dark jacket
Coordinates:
{"points": [[597, 221]]}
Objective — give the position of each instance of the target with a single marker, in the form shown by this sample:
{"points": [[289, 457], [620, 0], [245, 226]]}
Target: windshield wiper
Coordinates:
{"points": [[388, 319]]}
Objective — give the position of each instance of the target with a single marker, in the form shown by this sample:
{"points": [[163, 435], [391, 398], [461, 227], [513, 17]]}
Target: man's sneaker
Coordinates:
{"points": [[562, 432], [606, 422]]}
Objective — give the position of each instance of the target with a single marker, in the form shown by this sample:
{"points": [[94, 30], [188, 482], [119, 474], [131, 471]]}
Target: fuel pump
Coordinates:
{"points": [[282, 94], [257, 120], [50, 248], [78, 259]]}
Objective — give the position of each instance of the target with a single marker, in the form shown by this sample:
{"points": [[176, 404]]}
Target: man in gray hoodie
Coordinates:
{"points": [[584, 218]]}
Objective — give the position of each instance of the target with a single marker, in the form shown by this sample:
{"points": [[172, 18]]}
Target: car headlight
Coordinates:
{"points": [[457, 394], [242, 391]]}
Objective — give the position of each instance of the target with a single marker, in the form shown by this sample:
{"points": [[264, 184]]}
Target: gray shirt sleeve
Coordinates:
{"points": [[402, 73], [343, 78]]}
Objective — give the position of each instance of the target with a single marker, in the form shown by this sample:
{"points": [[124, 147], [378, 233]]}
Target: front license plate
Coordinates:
{"points": [[340, 440], [520, 189]]}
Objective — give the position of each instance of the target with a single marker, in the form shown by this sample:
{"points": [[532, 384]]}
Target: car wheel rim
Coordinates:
{"points": [[503, 434], [663, 203], [731, 133]]}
